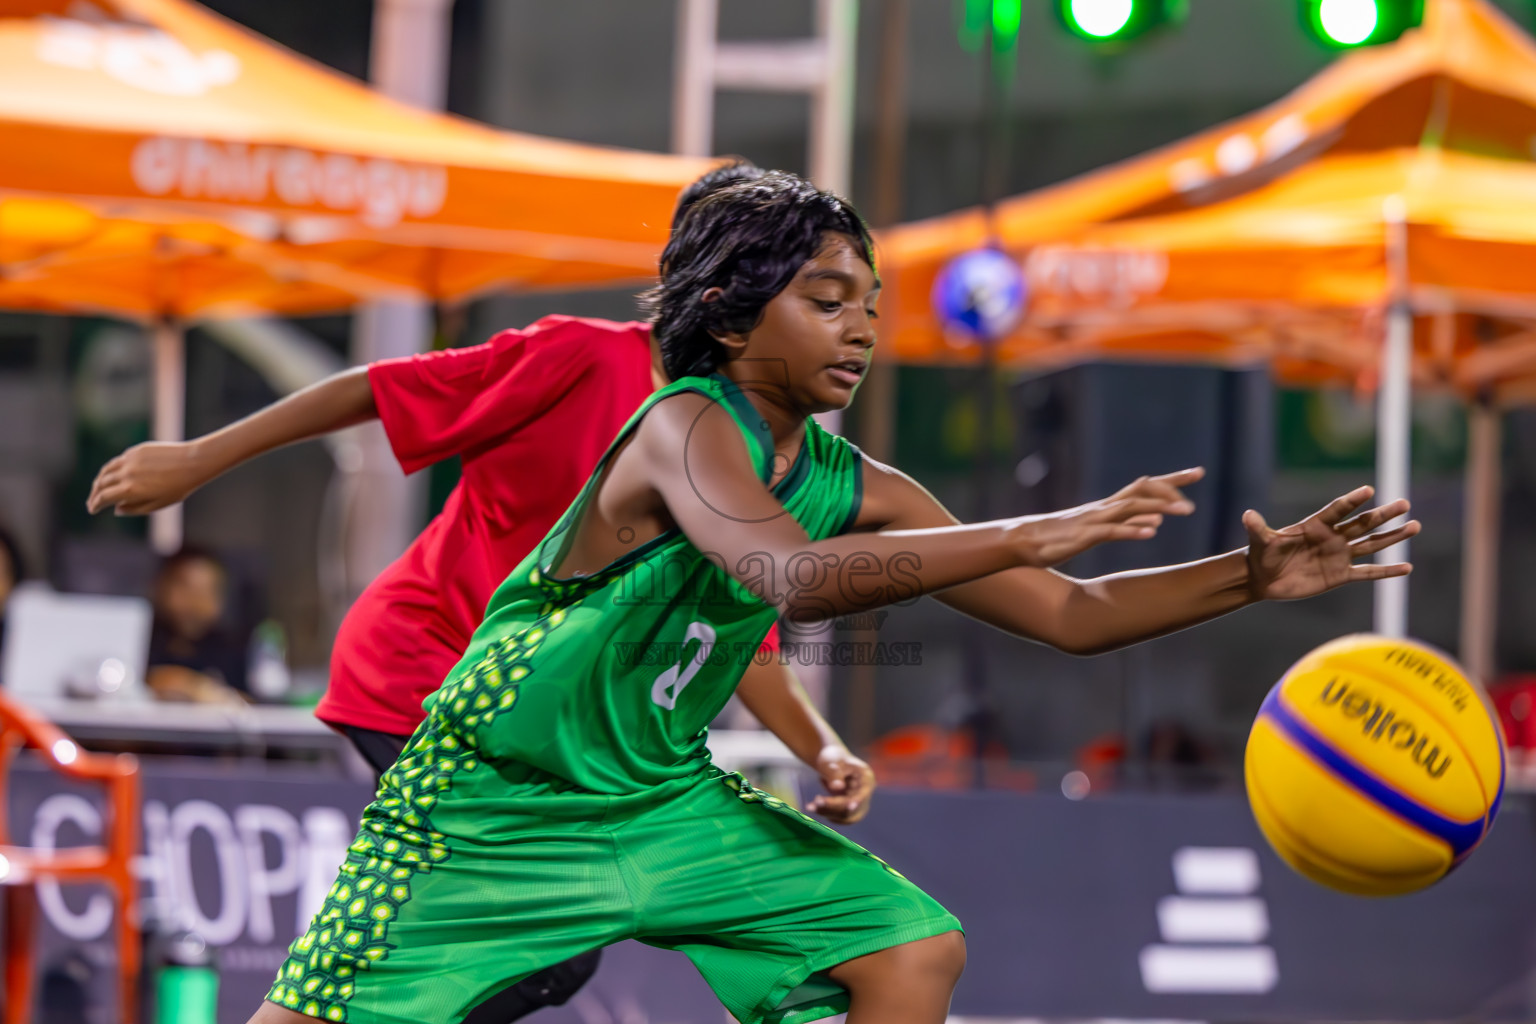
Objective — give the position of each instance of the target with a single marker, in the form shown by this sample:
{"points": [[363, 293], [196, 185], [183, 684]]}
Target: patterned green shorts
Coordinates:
{"points": [[451, 893]]}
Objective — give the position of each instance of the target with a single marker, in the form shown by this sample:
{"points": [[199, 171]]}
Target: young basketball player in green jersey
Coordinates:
{"points": [[559, 795]]}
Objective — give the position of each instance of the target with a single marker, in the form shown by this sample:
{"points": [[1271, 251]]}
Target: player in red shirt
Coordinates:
{"points": [[529, 412]]}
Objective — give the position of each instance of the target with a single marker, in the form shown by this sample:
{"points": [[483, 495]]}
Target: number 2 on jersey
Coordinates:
{"points": [[669, 685]]}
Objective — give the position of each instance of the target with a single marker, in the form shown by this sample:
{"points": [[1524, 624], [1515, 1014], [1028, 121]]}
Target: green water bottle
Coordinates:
{"points": [[187, 985]]}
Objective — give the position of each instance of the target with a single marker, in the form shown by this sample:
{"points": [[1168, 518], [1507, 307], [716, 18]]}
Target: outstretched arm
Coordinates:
{"points": [[690, 454], [1097, 615], [155, 474], [773, 694]]}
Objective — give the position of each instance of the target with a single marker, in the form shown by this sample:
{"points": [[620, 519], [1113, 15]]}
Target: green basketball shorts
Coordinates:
{"points": [[466, 878]]}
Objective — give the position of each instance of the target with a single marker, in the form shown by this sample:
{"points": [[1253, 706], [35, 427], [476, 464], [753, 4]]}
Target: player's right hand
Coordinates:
{"points": [[147, 477], [1132, 513], [850, 782]]}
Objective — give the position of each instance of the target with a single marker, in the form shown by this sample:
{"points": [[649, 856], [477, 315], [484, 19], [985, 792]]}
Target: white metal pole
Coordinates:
{"points": [[831, 169], [169, 422], [1393, 422], [1394, 408], [409, 63], [831, 142], [409, 57], [831, 150], [693, 92], [1480, 542], [823, 67]]}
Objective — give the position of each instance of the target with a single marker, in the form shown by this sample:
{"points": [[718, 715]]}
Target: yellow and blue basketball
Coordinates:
{"points": [[1375, 765]]}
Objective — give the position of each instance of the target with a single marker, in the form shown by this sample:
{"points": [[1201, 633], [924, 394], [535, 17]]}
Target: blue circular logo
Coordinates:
{"points": [[981, 294]]}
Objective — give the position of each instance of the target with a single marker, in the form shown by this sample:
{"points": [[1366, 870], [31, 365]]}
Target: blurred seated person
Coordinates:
{"points": [[192, 657], [1176, 757]]}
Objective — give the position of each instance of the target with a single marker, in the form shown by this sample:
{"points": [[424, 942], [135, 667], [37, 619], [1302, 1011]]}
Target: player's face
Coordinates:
{"points": [[819, 330]]}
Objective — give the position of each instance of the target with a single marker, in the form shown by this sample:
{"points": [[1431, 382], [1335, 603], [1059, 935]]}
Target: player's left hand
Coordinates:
{"points": [[850, 783], [1319, 553]]}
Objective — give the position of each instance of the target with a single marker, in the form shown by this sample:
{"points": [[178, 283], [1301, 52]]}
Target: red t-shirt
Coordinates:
{"points": [[530, 413]]}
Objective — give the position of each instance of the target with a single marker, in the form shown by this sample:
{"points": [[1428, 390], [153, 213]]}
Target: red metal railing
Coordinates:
{"points": [[111, 863]]}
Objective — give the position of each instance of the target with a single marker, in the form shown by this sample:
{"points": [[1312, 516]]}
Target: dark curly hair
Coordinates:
{"points": [[187, 555], [749, 239], [737, 169]]}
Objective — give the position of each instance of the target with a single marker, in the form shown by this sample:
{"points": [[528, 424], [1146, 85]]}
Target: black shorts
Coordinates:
{"points": [[379, 749]]}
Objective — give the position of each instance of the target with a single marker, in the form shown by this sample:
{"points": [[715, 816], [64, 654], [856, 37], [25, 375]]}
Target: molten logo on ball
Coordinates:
{"points": [[1380, 724]]}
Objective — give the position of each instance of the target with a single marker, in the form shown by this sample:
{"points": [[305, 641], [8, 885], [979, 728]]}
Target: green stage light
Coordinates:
{"points": [[974, 15], [1100, 19], [1005, 23], [1002, 16], [1343, 24], [1110, 22], [1348, 22]]}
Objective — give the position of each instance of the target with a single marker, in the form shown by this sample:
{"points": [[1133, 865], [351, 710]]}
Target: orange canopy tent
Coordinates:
{"points": [[163, 164], [1269, 235], [1288, 266], [155, 264], [1297, 270], [1399, 183], [192, 168]]}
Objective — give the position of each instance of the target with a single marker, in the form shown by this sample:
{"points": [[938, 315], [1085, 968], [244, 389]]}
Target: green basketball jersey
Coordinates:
{"points": [[610, 680]]}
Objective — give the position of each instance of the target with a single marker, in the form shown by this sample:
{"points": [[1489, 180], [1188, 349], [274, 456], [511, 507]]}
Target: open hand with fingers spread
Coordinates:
{"points": [[1132, 513], [1319, 553]]}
